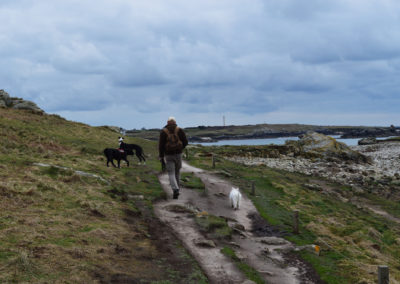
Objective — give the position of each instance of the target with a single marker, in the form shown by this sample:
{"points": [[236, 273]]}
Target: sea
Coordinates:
{"points": [[275, 141]]}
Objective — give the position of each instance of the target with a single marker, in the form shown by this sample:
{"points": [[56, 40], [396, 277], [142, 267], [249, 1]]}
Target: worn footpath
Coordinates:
{"points": [[269, 254]]}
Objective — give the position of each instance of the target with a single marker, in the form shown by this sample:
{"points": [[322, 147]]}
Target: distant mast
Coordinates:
{"points": [[223, 120]]}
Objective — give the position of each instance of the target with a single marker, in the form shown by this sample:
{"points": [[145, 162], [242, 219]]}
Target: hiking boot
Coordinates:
{"points": [[176, 194]]}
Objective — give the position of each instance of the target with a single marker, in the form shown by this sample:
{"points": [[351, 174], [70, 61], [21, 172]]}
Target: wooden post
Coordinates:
{"points": [[253, 188], [213, 161], [383, 274], [296, 222]]}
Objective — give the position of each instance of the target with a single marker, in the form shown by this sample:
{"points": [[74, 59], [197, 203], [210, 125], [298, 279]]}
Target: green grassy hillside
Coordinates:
{"points": [[59, 225]]}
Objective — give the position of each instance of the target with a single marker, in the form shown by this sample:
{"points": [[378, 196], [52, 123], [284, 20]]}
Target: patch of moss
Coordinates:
{"points": [[217, 227]]}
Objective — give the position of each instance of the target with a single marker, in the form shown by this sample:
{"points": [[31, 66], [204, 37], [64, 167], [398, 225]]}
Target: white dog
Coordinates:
{"points": [[235, 197]]}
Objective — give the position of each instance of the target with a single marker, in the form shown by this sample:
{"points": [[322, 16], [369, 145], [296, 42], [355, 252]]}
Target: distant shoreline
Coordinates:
{"points": [[278, 141], [268, 131]]}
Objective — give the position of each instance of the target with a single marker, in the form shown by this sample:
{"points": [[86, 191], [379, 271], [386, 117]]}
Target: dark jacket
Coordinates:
{"points": [[163, 140]]}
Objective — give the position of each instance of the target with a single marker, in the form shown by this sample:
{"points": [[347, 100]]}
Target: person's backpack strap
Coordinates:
{"points": [[175, 131]]}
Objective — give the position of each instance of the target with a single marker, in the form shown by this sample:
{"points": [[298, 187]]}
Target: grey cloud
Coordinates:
{"points": [[201, 58]]}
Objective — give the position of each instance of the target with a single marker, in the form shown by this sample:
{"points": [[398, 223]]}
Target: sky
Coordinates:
{"points": [[134, 63]]}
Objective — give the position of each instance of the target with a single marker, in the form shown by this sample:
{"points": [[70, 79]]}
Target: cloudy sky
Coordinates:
{"points": [[133, 63]]}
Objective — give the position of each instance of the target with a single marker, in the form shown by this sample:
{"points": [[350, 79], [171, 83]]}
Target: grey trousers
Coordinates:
{"points": [[174, 165]]}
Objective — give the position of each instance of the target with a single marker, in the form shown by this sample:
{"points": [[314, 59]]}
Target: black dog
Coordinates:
{"points": [[129, 148], [116, 154]]}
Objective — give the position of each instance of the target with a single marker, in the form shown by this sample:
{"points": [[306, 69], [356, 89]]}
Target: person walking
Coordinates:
{"points": [[171, 143]]}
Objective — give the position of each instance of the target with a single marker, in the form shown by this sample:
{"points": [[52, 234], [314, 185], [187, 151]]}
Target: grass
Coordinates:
{"points": [[390, 206], [353, 241], [216, 227], [250, 272], [189, 180], [59, 226]]}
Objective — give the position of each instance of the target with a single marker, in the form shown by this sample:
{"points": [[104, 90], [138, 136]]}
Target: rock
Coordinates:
{"points": [[314, 144], [224, 173], [240, 256], [248, 282], [367, 141], [136, 197], [314, 187], [265, 251], [204, 243], [233, 244], [177, 208], [239, 232], [269, 273], [239, 227], [5, 98], [220, 194], [18, 103], [273, 241]]}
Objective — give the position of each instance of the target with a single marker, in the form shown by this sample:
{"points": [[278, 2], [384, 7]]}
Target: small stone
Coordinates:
{"points": [[248, 282], [269, 273], [240, 256], [274, 241], [239, 227], [265, 251], [136, 197], [234, 244], [204, 243]]}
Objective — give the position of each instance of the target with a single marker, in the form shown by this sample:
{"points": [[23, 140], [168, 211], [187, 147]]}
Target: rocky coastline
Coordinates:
{"points": [[378, 173], [355, 132]]}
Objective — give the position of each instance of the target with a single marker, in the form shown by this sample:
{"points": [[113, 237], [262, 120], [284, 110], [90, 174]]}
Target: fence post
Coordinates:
{"points": [[253, 188], [296, 222], [213, 161], [383, 274]]}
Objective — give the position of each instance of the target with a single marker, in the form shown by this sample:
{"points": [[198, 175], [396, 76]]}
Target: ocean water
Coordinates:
{"points": [[274, 141]]}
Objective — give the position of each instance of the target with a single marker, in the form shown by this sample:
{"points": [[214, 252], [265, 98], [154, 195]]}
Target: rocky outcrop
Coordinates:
{"points": [[17, 103], [327, 147], [367, 141], [311, 145]]}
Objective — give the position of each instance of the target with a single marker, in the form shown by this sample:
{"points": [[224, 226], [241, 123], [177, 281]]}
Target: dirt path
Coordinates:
{"points": [[267, 254]]}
